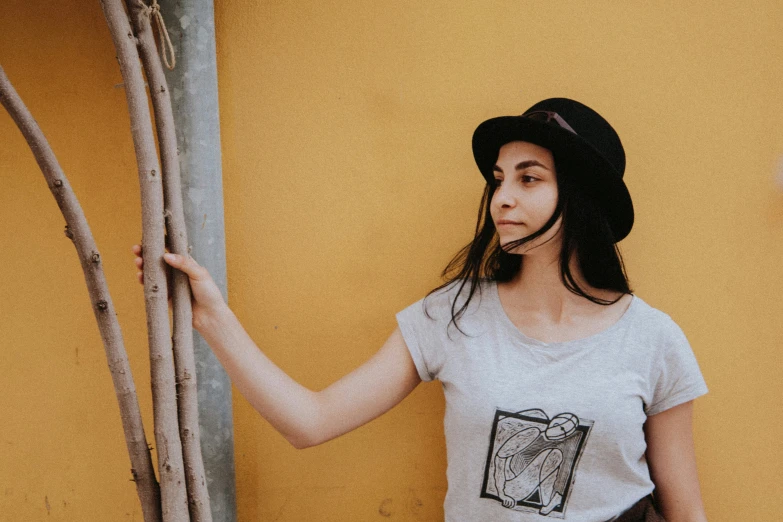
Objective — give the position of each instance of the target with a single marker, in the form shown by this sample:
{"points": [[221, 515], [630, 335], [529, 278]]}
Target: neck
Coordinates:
{"points": [[538, 289]]}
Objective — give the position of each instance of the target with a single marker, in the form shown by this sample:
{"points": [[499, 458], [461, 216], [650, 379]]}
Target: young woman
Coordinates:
{"points": [[567, 396]]}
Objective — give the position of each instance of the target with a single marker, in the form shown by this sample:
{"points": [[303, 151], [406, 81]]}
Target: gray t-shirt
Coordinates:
{"points": [[537, 429]]}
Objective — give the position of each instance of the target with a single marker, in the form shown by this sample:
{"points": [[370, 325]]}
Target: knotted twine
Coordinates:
{"points": [[153, 11]]}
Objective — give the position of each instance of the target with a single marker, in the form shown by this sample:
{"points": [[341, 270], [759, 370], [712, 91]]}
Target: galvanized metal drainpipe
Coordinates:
{"points": [[194, 95]]}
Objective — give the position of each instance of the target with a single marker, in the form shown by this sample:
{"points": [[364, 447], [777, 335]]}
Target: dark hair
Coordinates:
{"points": [[586, 234]]}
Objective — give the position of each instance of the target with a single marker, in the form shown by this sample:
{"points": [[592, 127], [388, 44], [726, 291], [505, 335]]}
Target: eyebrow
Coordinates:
{"points": [[522, 165]]}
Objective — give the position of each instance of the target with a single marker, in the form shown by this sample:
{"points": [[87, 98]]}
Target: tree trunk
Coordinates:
{"points": [[177, 237], [78, 231], [173, 489]]}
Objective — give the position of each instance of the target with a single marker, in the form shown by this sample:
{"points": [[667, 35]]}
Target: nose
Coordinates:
{"points": [[502, 197]]}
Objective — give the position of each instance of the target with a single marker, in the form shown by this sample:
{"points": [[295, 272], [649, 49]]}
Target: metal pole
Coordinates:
{"points": [[194, 95]]}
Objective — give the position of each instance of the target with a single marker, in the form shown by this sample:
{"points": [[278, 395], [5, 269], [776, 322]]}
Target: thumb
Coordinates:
{"points": [[186, 264]]}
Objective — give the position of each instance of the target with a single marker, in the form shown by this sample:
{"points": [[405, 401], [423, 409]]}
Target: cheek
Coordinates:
{"points": [[544, 201]]}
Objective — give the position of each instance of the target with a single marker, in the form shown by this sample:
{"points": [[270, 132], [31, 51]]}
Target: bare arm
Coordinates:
{"points": [[304, 417], [671, 458]]}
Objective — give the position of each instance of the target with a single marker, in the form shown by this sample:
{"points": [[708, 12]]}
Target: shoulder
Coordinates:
{"points": [[658, 329], [443, 309], [655, 320], [456, 293]]}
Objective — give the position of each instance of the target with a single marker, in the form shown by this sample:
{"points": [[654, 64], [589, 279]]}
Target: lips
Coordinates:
{"points": [[507, 222]]}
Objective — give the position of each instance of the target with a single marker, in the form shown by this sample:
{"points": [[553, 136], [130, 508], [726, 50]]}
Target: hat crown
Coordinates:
{"points": [[590, 126]]}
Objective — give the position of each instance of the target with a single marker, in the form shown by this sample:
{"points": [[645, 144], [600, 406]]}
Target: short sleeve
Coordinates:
{"points": [[422, 338], [677, 377]]}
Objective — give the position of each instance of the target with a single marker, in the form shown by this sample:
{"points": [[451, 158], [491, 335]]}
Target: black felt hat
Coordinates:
{"points": [[580, 139]]}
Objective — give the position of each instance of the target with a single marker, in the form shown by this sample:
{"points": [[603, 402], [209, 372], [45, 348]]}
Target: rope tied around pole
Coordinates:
{"points": [[153, 11]]}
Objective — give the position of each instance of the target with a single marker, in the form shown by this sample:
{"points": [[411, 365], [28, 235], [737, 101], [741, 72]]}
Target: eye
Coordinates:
{"points": [[523, 178]]}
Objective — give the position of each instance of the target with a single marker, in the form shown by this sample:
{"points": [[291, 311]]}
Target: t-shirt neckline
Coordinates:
{"points": [[516, 332]]}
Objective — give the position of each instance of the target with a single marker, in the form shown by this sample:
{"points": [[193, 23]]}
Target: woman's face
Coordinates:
{"points": [[526, 193]]}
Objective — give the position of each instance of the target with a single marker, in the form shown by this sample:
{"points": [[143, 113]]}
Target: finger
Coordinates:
{"points": [[140, 276], [136, 249], [139, 262]]}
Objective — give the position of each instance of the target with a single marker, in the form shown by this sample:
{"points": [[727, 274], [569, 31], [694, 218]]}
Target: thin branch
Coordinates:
{"points": [[78, 231], [174, 499], [177, 236]]}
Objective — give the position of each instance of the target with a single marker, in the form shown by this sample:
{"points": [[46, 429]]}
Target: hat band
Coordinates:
{"points": [[548, 117]]}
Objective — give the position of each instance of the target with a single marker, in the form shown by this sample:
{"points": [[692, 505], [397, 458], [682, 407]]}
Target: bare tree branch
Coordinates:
{"points": [[173, 487], [177, 238], [78, 231]]}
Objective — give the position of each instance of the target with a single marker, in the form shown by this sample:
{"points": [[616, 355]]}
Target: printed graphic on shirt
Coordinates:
{"points": [[532, 460]]}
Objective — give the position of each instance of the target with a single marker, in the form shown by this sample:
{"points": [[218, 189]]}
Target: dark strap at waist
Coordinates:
{"points": [[642, 511]]}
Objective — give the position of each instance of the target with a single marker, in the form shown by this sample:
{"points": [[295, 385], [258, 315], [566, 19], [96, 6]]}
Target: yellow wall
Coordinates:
{"points": [[349, 184]]}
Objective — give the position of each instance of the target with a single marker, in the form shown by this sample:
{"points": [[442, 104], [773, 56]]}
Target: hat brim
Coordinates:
{"points": [[590, 168]]}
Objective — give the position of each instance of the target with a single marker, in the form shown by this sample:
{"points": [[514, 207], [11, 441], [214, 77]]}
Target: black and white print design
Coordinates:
{"points": [[532, 460]]}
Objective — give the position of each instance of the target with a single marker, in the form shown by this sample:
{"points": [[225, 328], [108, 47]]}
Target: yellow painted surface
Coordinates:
{"points": [[349, 184]]}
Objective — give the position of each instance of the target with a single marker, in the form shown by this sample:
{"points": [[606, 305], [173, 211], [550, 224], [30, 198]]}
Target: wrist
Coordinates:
{"points": [[214, 318]]}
